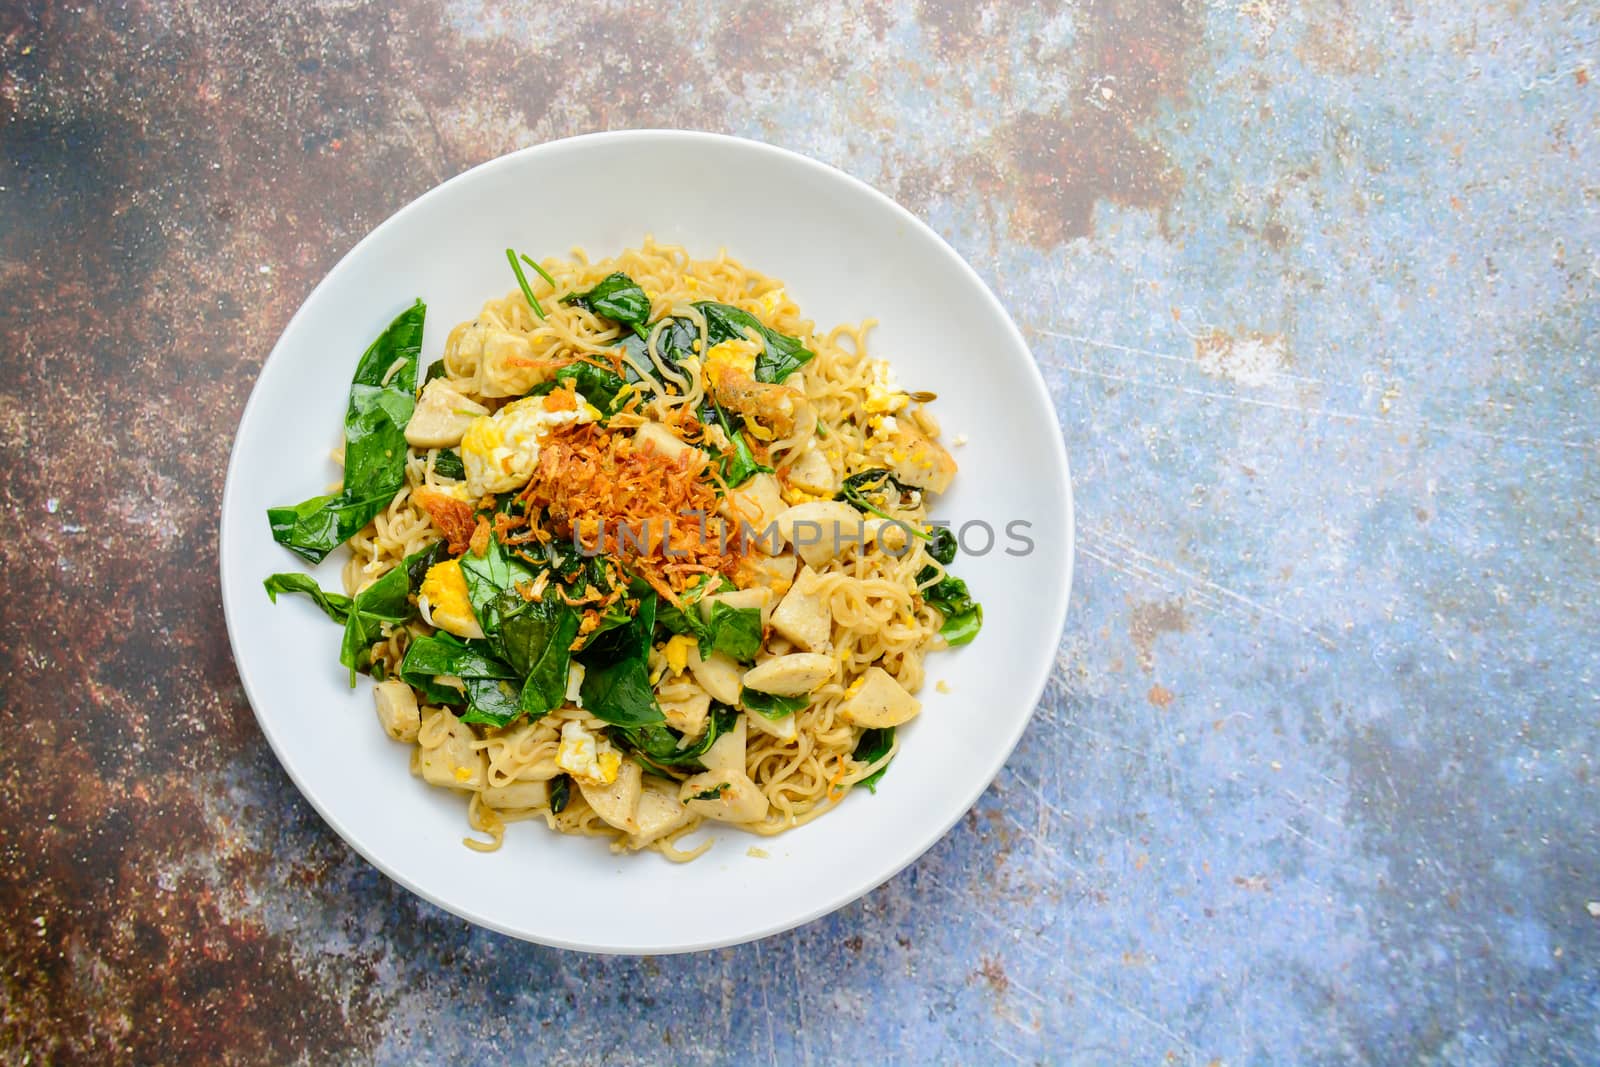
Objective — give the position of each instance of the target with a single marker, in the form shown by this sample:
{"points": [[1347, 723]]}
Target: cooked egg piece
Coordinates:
{"points": [[444, 601], [500, 451], [587, 757]]}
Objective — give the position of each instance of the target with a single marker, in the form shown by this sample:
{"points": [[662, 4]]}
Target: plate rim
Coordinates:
{"points": [[1040, 395]]}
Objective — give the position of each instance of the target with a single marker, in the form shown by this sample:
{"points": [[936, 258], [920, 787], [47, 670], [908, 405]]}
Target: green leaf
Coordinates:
{"points": [[943, 545], [872, 746], [560, 793], [387, 600], [493, 701], [382, 397], [337, 605], [616, 681], [595, 384], [491, 580], [675, 340], [688, 620], [421, 561], [714, 793], [447, 464], [545, 685], [867, 491], [781, 355], [736, 631], [446, 654], [617, 297], [770, 705], [660, 749], [963, 616]]}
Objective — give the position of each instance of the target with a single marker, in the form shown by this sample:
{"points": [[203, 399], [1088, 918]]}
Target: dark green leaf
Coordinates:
{"points": [[386, 600], [595, 384], [873, 746], [770, 705], [446, 654], [421, 561], [870, 491], [714, 793], [963, 616], [560, 793], [688, 620], [545, 685], [943, 545], [337, 605], [447, 464], [675, 339], [617, 297], [436, 369], [616, 680], [657, 745], [493, 701], [781, 355], [382, 397], [736, 631]]}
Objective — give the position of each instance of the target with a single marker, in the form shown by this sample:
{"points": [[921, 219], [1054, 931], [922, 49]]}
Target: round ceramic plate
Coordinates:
{"points": [[846, 253]]}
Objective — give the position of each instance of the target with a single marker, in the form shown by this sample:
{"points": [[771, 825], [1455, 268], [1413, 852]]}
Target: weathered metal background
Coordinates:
{"points": [[1314, 286]]}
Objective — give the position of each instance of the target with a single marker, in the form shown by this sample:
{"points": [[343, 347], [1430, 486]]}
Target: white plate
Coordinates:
{"points": [[846, 253]]}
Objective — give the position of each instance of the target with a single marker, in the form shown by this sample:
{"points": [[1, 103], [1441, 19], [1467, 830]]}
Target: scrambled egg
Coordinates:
{"points": [[731, 355], [585, 756], [676, 652], [444, 601], [499, 451], [884, 395], [771, 302]]}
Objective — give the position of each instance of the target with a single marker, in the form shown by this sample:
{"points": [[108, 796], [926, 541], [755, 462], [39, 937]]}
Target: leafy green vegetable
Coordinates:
{"points": [[781, 355], [436, 369], [714, 793], [943, 545], [617, 297], [675, 338], [522, 280], [736, 631], [533, 638], [545, 685], [687, 620], [740, 465], [771, 705], [873, 746], [387, 600], [382, 397], [560, 793], [447, 464], [616, 681], [865, 489], [595, 384], [443, 654], [963, 616], [418, 563], [494, 701], [446, 654], [657, 746], [337, 605]]}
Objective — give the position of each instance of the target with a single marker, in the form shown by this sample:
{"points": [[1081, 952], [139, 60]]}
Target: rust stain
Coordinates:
{"points": [[994, 973], [1063, 162], [1160, 695], [1148, 620]]}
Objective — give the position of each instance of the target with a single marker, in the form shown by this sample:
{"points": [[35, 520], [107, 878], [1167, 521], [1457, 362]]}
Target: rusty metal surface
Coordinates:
{"points": [[1315, 289]]}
